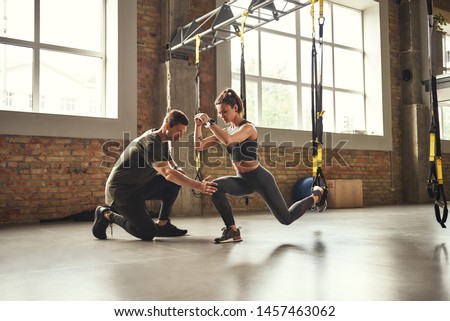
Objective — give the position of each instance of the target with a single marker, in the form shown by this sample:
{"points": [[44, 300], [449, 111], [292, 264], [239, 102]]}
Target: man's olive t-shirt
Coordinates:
{"points": [[133, 170]]}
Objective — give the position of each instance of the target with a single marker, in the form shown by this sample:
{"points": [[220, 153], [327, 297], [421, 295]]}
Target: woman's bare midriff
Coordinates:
{"points": [[245, 166]]}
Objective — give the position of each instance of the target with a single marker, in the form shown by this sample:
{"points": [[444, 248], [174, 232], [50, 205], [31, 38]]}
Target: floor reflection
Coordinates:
{"points": [[381, 253], [441, 253], [283, 274]]}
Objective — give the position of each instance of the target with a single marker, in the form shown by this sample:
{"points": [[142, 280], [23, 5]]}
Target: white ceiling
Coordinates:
{"points": [[359, 4]]}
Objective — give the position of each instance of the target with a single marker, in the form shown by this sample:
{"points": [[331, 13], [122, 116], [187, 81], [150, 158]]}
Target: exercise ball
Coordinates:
{"points": [[302, 188]]}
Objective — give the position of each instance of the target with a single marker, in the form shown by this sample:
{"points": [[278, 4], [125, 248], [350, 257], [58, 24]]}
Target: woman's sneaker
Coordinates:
{"points": [[229, 236], [321, 205]]}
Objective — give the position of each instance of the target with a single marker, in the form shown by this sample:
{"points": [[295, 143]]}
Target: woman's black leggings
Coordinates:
{"points": [[262, 182]]}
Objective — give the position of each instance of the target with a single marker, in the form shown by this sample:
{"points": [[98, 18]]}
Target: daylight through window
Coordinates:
{"points": [[278, 70], [52, 56]]}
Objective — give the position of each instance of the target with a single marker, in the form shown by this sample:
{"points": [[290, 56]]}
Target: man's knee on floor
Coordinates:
{"points": [[147, 231], [147, 235]]}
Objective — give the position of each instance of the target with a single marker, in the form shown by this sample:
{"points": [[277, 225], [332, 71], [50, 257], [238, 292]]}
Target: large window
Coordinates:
{"points": [[56, 85], [443, 93], [278, 69], [52, 57]]}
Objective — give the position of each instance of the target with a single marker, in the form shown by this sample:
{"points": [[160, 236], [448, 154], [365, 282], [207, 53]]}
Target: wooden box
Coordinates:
{"points": [[345, 193]]}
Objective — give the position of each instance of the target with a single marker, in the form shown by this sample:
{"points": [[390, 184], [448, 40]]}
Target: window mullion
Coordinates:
{"points": [[364, 73], [259, 83], [103, 80], [299, 109], [36, 56], [75, 51], [333, 79]]}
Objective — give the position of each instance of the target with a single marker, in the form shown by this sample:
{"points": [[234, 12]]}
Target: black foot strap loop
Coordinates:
{"points": [[437, 211]]}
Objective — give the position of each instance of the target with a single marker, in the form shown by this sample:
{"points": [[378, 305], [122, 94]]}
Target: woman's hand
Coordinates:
{"points": [[201, 119], [198, 121]]}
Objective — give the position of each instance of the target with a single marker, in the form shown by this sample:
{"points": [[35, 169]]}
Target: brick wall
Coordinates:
{"points": [[149, 57], [42, 177], [442, 4], [207, 59], [395, 157], [49, 178], [53, 178]]}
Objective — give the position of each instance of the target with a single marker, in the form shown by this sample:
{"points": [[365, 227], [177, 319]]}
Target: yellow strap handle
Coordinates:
{"points": [[321, 8], [319, 155], [317, 160], [432, 146], [197, 161], [440, 177], [313, 2], [315, 165], [244, 18], [436, 159], [197, 49]]}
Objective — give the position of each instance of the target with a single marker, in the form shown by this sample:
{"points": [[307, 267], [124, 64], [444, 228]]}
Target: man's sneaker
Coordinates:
{"points": [[321, 205], [229, 236], [169, 230], [101, 223]]}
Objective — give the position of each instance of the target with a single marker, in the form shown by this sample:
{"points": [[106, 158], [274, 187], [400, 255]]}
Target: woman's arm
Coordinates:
{"points": [[244, 132], [201, 143], [238, 136]]}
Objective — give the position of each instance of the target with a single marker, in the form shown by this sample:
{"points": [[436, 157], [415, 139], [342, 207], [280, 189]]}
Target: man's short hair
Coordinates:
{"points": [[175, 117]]}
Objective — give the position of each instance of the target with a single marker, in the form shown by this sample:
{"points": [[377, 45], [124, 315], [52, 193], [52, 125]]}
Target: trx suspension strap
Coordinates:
{"points": [[243, 87], [198, 153], [435, 184], [316, 105]]}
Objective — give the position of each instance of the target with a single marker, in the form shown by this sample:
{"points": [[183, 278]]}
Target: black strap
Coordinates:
{"points": [[435, 183], [243, 85], [314, 94], [198, 153], [243, 82], [317, 112]]}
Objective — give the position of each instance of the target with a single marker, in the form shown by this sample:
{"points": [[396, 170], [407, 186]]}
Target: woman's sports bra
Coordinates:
{"points": [[243, 151]]}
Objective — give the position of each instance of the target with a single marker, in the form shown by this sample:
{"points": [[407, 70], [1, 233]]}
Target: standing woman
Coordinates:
{"points": [[240, 139]]}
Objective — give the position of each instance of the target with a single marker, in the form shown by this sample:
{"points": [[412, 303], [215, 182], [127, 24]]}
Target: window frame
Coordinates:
{"points": [[121, 98], [297, 137]]}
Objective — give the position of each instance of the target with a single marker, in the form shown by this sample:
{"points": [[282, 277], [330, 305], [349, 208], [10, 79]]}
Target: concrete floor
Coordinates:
{"points": [[371, 254]]}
